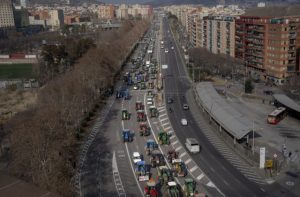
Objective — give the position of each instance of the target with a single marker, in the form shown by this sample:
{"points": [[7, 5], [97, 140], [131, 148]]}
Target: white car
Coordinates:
{"points": [[136, 157], [184, 122], [185, 106], [172, 48], [135, 87], [166, 51]]}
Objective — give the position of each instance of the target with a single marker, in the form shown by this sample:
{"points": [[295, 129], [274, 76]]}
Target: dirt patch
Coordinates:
{"points": [[12, 102]]}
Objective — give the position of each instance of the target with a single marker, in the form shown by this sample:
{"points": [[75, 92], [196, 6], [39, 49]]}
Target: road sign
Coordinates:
{"points": [[269, 163]]}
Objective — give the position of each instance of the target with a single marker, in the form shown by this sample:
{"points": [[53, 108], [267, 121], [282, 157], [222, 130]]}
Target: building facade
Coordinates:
{"points": [[106, 11], [219, 34], [6, 14], [56, 20], [269, 45]]}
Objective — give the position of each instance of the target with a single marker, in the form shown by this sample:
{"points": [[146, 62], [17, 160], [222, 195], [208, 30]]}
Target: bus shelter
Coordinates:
{"points": [[227, 118], [293, 108]]}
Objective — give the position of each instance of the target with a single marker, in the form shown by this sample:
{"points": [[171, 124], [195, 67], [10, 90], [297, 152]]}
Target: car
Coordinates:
{"points": [[135, 87], [137, 157], [166, 51], [185, 106], [184, 122], [169, 100], [172, 48]]}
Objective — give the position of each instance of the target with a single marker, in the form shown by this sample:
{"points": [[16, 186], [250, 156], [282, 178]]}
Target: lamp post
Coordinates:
{"points": [[253, 137]]}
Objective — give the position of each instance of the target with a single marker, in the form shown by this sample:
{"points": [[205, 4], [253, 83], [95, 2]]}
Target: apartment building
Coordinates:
{"points": [[106, 11], [6, 14], [56, 20], [219, 34], [268, 41]]}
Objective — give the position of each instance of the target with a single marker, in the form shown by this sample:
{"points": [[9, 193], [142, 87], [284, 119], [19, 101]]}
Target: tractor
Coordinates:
{"points": [[125, 114], [189, 187], [165, 175], [150, 85], [143, 86], [150, 190], [150, 146], [179, 168], [139, 105], [144, 129], [172, 154], [142, 171], [141, 116], [173, 189], [153, 111], [157, 159], [163, 138], [127, 135]]}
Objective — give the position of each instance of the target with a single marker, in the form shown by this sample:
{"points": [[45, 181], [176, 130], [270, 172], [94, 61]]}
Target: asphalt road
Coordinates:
{"points": [[228, 179]]}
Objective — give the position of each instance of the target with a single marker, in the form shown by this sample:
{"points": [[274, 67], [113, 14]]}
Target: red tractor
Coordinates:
{"points": [[144, 129], [172, 154], [150, 190], [141, 116]]}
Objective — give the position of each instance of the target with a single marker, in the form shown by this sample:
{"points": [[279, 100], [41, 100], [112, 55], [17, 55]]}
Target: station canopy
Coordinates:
{"points": [[231, 120], [287, 102]]}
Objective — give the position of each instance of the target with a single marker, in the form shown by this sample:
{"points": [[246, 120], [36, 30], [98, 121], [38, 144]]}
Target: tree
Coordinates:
{"points": [[248, 86]]}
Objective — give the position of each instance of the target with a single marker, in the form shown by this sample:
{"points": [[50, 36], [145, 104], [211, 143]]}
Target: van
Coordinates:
{"points": [[192, 145]]}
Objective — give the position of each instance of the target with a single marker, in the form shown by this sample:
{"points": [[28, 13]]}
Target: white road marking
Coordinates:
{"points": [[161, 110], [193, 168], [172, 137], [178, 148], [175, 142], [188, 161], [182, 154], [210, 184], [162, 115], [200, 176], [167, 128], [161, 120], [167, 123]]}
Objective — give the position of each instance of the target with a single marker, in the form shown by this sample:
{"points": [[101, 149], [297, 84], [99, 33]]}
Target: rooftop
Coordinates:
{"points": [[278, 11], [287, 101], [231, 120]]}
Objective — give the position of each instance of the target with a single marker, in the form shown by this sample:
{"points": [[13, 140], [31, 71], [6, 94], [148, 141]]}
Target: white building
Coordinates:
{"points": [[6, 14], [56, 19]]}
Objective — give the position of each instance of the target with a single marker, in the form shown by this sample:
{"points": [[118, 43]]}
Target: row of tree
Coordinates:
{"points": [[45, 138]]}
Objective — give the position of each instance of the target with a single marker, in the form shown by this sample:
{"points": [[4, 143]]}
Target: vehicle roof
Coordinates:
{"points": [[176, 161], [172, 183], [136, 154]]}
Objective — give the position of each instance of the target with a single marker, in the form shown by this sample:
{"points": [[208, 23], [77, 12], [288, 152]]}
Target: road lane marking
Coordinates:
{"points": [[162, 115], [161, 110], [193, 168], [167, 128], [188, 161], [167, 123], [182, 154], [200, 176], [172, 137], [164, 119], [178, 148], [175, 142]]}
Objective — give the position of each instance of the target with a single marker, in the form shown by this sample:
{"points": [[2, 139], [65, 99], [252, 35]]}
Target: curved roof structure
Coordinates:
{"points": [[231, 120]]}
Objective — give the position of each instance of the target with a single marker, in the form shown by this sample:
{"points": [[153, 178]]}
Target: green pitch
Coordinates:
{"points": [[16, 71]]}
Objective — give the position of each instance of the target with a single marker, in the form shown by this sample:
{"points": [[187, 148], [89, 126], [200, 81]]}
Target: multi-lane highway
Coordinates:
{"points": [[106, 159]]}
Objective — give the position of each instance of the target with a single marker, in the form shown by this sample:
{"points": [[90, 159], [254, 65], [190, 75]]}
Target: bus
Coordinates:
{"points": [[277, 115]]}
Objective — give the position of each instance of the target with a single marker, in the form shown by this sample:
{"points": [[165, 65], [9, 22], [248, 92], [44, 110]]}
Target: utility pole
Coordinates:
{"points": [[253, 137]]}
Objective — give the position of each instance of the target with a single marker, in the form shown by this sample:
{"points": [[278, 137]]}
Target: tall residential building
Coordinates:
{"points": [[218, 34], [268, 40], [106, 11], [23, 3], [56, 18], [6, 14]]}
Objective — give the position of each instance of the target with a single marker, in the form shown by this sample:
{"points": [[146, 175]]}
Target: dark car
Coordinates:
{"points": [[169, 100]]}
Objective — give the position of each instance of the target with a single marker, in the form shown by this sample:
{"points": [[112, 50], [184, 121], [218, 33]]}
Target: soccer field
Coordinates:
{"points": [[16, 71]]}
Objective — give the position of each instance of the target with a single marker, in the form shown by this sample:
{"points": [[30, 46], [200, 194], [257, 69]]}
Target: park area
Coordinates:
{"points": [[16, 71]]}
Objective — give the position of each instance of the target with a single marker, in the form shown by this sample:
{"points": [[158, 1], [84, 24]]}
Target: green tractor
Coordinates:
{"points": [[153, 111], [173, 189], [189, 187], [165, 175], [163, 138], [125, 115]]}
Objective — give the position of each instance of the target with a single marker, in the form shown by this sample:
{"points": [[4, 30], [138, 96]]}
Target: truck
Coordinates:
{"points": [[192, 145]]}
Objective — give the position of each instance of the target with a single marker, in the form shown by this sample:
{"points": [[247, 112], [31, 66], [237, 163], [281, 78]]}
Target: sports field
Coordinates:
{"points": [[16, 71]]}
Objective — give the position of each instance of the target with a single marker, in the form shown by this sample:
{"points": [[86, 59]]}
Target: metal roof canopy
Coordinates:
{"points": [[287, 101], [231, 120]]}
